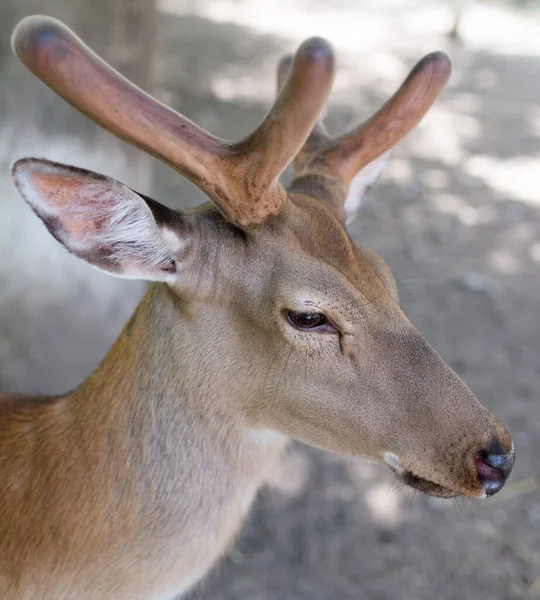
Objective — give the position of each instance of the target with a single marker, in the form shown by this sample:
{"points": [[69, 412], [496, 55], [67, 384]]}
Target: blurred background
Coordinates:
{"points": [[456, 214]]}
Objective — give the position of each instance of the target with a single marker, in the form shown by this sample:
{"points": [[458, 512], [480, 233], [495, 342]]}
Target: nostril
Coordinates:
{"points": [[491, 487], [497, 461]]}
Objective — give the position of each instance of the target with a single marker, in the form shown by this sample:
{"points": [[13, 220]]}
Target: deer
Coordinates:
{"points": [[263, 322]]}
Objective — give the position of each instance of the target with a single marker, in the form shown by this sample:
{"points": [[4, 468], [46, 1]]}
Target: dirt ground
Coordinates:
{"points": [[456, 215]]}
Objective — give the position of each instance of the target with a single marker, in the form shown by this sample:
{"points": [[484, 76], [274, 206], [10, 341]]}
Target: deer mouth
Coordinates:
{"points": [[428, 487]]}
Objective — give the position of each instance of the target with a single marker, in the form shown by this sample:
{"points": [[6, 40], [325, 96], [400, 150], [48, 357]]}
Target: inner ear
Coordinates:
{"points": [[101, 220], [361, 183]]}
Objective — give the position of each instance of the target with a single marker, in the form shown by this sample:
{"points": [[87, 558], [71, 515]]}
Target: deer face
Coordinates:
{"points": [[335, 363], [309, 325], [324, 353]]}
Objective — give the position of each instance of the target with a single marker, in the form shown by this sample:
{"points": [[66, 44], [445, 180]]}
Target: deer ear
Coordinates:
{"points": [[361, 183], [100, 220]]}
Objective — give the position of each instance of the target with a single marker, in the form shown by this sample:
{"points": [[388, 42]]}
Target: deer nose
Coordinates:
{"points": [[494, 467]]}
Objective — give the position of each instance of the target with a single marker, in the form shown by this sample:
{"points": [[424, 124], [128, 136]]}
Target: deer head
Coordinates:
{"points": [[299, 323]]}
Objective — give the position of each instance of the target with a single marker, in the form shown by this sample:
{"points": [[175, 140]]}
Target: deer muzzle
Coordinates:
{"points": [[444, 442]]}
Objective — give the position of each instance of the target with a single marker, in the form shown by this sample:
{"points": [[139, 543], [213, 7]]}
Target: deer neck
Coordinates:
{"points": [[152, 449], [158, 383]]}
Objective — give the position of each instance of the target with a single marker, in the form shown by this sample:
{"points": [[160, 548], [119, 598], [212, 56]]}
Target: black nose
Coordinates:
{"points": [[494, 467]]}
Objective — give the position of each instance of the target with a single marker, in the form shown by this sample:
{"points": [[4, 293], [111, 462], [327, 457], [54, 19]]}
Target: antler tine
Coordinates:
{"points": [[304, 89], [318, 134], [241, 178], [344, 156]]}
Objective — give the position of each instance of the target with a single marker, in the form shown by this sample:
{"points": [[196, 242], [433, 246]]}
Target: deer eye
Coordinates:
{"points": [[306, 320]]}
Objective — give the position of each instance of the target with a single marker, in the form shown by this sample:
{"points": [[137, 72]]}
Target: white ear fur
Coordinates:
{"points": [[98, 219], [361, 183]]}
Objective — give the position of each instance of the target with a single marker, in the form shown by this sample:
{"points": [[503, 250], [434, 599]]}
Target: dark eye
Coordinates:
{"points": [[306, 320]]}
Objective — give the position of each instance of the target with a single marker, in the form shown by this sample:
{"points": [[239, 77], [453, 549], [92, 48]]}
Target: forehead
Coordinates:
{"points": [[311, 229]]}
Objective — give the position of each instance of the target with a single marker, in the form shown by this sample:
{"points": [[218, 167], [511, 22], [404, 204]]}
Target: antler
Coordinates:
{"points": [[342, 157], [241, 178]]}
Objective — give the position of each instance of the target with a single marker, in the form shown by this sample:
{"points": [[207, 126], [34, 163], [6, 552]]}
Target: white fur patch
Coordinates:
{"points": [[268, 437], [173, 242], [392, 460], [361, 183]]}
